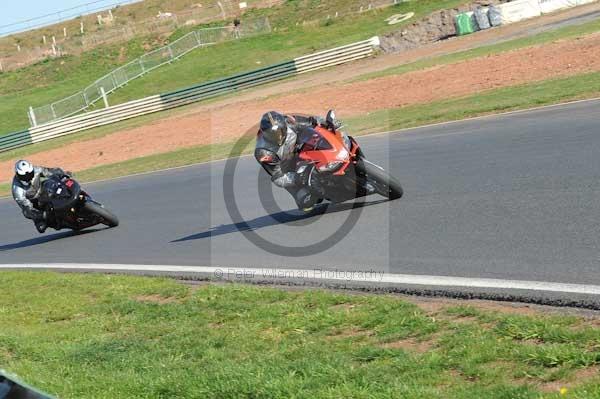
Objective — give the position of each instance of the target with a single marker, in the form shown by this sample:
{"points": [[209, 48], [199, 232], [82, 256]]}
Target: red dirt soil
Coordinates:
{"points": [[558, 59]]}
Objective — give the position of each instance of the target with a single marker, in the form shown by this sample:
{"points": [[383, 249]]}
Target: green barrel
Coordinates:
{"points": [[464, 24]]}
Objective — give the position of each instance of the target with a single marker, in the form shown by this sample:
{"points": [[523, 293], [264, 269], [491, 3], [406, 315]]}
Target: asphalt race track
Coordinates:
{"points": [[511, 197]]}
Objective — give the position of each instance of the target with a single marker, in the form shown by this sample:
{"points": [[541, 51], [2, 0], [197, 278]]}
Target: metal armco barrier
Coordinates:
{"points": [[156, 103]]}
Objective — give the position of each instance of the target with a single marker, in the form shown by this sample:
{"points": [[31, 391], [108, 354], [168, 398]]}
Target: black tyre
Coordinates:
{"points": [[108, 218], [385, 184]]}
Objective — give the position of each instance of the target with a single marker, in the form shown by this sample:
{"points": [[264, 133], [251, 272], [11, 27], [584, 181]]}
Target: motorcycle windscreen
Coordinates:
{"points": [[313, 141]]}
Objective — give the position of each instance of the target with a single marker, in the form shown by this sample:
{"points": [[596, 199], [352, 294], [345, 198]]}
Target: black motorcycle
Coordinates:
{"points": [[68, 206]]}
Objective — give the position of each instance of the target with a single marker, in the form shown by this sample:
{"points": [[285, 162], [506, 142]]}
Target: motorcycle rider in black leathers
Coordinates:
{"points": [[25, 189], [277, 152]]}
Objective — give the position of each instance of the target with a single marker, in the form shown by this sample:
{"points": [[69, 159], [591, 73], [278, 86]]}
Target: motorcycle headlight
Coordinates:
{"points": [[331, 166], [343, 155]]}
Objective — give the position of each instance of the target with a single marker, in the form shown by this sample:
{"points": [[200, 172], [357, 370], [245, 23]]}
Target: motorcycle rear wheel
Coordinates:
{"points": [[108, 218]]}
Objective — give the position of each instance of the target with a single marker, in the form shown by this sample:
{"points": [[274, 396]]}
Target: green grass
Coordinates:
{"points": [[186, 156], [484, 103], [55, 79], [52, 80], [99, 336]]}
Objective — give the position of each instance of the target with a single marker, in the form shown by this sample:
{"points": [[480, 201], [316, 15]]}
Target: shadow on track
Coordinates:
{"points": [[284, 217], [44, 239]]}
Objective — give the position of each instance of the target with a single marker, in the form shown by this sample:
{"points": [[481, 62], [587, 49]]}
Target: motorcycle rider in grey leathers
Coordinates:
{"points": [[276, 151], [25, 189]]}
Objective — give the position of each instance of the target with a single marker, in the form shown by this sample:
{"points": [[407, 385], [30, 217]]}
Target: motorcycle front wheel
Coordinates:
{"points": [[385, 184], [108, 218]]}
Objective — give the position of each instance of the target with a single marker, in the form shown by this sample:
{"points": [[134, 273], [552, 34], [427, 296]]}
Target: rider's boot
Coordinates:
{"points": [[40, 225], [306, 200]]}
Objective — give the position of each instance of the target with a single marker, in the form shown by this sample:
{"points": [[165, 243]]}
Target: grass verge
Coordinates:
{"points": [[97, 336], [488, 102]]}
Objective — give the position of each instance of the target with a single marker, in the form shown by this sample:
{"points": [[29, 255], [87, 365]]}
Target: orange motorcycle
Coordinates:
{"points": [[344, 171]]}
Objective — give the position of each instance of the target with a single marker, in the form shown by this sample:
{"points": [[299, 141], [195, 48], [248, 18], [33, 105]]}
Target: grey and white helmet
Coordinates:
{"points": [[24, 171]]}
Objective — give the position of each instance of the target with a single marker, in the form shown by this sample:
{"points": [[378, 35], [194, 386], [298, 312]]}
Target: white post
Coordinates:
{"points": [[1, 67], [222, 9], [19, 48], [44, 39], [32, 117], [99, 19], [104, 98], [54, 49], [65, 32], [53, 39], [81, 27], [111, 16], [197, 35]]}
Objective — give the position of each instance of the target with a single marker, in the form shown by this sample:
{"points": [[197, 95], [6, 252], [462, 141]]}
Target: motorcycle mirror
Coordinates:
{"points": [[330, 118]]}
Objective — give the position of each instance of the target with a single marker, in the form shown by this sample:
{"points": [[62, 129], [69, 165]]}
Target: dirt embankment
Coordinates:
{"points": [[435, 27]]}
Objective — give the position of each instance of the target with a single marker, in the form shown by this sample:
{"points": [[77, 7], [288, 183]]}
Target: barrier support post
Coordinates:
{"points": [[32, 117], [104, 98]]}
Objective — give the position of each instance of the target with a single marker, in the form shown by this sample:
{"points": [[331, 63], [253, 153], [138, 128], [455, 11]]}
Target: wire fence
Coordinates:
{"points": [[116, 25], [140, 66]]}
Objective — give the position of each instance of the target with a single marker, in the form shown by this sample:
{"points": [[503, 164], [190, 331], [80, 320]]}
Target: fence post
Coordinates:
{"points": [[53, 111], [85, 98], [114, 80], [142, 65], [198, 38], [1, 67], [104, 98], [170, 52], [32, 120]]}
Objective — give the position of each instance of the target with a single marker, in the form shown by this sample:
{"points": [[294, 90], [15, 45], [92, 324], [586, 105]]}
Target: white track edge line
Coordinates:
{"points": [[241, 273]]}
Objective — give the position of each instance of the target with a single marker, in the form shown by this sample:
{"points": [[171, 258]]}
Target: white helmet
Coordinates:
{"points": [[24, 171]]}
